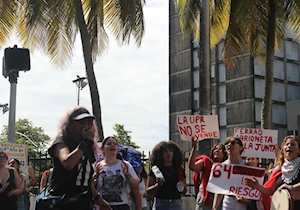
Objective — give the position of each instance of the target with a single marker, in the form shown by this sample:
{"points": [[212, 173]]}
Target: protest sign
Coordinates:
{"points": [[228, 179], [201, 127], [258, 143], [18, 151]]}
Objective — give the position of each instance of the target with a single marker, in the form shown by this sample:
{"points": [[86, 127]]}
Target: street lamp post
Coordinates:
{"points": [[14, 60], [4, 108], [80, 83]]}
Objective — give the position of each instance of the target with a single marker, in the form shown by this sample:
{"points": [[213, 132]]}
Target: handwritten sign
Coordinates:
{"points": [[18, 151], [201, 127], [228, 179], [258, 143]]}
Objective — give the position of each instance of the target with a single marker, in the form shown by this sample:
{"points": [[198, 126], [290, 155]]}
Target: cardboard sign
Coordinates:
{"points": [[228, 179], [199, 126], [258, 142], [18, 151]]}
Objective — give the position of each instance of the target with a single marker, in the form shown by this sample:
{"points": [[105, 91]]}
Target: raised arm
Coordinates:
{"points": [[254, 184], [195, 166]]}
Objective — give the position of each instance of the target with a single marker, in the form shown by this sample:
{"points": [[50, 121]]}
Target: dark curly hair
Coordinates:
{"points": [[211, 156], [156, 157]]}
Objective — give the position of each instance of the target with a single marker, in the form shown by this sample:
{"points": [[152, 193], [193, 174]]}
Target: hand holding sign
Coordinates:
{"points": [[194, 142], [251, 182]]}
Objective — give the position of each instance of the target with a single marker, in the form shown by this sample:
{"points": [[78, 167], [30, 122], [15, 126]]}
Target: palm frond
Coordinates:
{"points": [[8, 10], [31, 22], [98, 37], [293, 17], [219, 16], [125, 18], [189, 16], [235, 40]]}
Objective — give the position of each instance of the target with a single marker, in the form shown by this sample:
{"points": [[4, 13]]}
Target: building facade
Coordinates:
{"points": [[236, 93]]}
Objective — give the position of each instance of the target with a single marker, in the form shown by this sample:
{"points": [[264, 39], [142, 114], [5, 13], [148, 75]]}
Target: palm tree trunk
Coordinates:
{"points": [[266, 120], [204, 60], [89, 67]]}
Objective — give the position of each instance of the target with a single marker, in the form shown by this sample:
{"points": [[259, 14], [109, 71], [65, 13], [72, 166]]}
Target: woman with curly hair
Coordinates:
{"points": [[73, 153], [286, 176], [201, 165], [168, 157]]}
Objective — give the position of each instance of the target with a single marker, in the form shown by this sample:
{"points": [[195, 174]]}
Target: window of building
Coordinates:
{"points": [[278, 91], [220, 51], [196, 99], [196, 79], [291, 50], [223, 135], [222, 116], [293, 92], [222, 73], [213, 110], [257, 111], [222, 94], [278, 69], [195, 59], [212, 71], [259, 88], [259, 69], [292, 71], [278, 114]]}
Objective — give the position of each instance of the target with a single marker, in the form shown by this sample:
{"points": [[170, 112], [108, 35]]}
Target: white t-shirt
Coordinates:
{"points": [[230, 202], [142, 188], [112, 183]]}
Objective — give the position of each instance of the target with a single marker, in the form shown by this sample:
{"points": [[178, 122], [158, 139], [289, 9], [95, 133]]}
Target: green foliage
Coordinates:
{"points": [[36, 134], [123, 136]]}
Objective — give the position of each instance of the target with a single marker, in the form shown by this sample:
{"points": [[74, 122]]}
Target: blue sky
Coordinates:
{"points": [[132, 82]]}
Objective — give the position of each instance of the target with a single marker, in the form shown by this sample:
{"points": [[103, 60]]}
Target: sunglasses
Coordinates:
{"points": [[231, 143]]}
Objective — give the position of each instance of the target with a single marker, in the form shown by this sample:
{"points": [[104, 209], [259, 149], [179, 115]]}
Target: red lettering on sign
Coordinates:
{"points": [[227, 168], [186, 130], [231, 189], [242, 170], [244, 191], [216, 172]]}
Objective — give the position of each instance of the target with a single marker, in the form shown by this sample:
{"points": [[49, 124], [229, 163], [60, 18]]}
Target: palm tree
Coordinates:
{"points": [[254, 26], [52, 25], [194, 19]]}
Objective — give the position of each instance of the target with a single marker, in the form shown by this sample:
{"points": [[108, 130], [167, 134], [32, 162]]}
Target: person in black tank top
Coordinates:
{"points": [[73, 157], [168, 157], [10, 184]]}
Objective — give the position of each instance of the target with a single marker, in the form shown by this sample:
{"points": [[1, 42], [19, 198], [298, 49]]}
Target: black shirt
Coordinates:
{"points": [[70, 182], [171, 175]]}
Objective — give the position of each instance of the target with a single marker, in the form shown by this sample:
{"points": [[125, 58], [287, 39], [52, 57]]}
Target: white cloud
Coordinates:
{"points": [[132, 82]]}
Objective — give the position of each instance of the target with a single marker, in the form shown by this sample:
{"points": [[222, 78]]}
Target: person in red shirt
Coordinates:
{"points": [[201, 165]]}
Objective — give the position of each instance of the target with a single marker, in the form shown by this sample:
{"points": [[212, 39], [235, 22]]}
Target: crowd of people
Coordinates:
{"points": [[81, 180]]}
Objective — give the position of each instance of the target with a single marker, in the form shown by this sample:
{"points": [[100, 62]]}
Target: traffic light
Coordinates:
{"points": [[15, 59]]}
